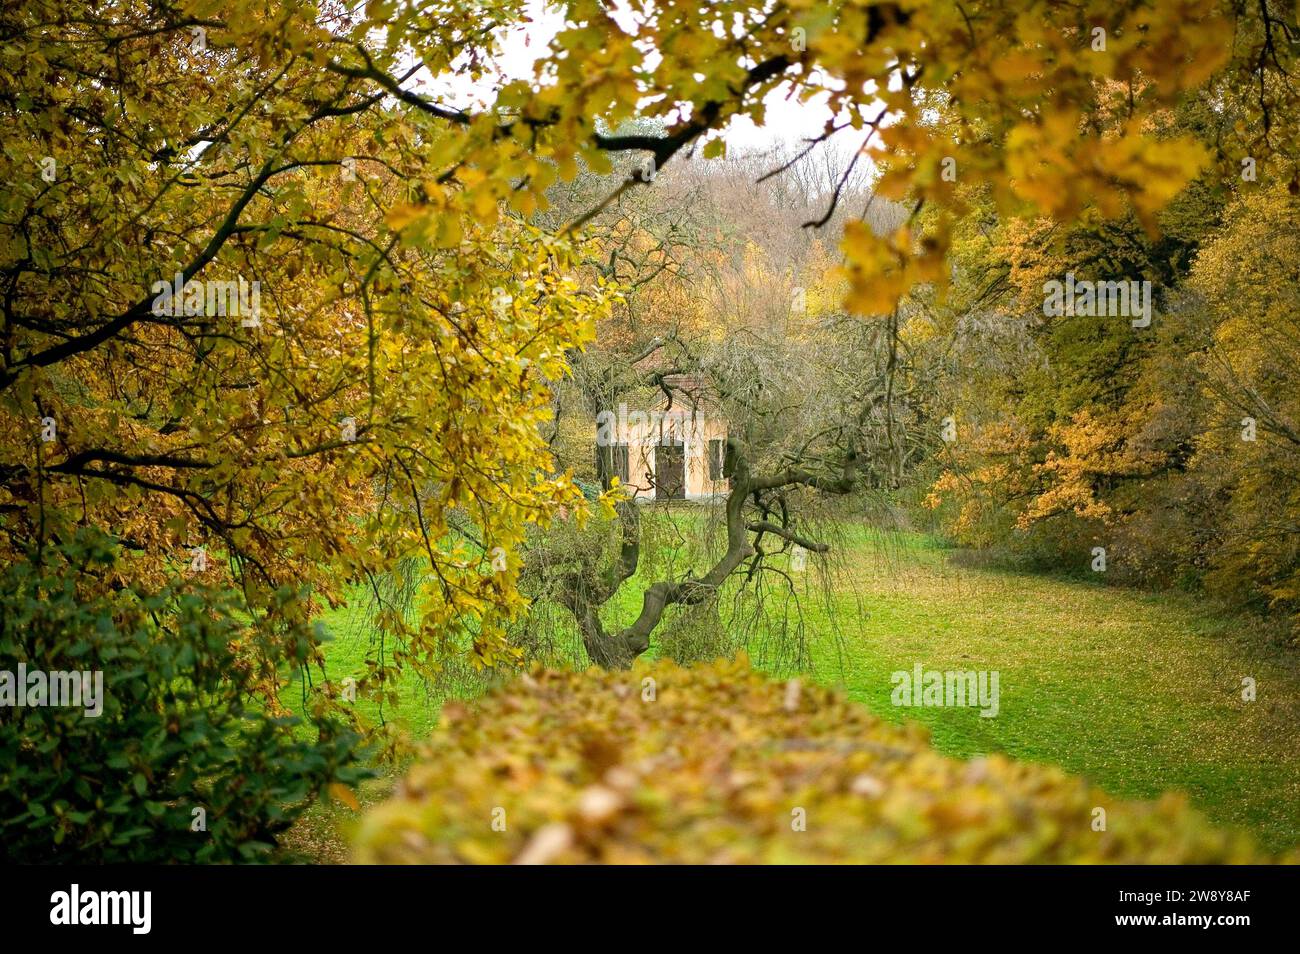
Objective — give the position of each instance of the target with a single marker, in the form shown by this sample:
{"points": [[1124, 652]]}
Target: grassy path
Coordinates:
{"points": [[1139, 692]]}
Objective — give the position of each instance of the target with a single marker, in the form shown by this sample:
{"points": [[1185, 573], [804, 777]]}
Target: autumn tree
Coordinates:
{"points": [[1247, 455]]}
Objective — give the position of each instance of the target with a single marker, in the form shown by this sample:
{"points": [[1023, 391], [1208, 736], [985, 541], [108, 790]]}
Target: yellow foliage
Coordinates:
{"points": [[719, 764], [1093, 449]]}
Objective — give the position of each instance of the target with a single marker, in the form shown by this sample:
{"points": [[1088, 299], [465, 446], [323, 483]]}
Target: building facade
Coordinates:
{"points": [[665, 453]]}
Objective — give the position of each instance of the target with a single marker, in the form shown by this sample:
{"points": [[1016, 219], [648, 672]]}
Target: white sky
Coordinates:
{"points": [[786, 120]]}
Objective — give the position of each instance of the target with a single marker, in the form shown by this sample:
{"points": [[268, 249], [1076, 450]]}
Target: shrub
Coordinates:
{"points": [[586, 767], [179, 730]]}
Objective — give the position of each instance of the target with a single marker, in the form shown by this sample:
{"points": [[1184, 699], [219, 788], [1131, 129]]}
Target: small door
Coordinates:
{"points": [[670, 472]]}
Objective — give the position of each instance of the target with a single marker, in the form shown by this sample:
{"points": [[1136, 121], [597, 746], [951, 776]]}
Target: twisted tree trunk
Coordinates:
{"points": [[618, 650]]}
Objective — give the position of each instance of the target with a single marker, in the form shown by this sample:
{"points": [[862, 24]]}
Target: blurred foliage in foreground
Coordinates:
{"points": [[713, 764]]}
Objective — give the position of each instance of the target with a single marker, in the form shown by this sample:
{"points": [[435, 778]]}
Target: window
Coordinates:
{"points": [[716, 452]]}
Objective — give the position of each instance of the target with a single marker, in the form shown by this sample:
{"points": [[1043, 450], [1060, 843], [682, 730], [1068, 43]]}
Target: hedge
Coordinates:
{"points": [[718, 764]]}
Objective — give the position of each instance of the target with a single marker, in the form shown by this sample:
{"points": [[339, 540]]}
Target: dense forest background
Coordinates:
{"points": [[1035, 437]]}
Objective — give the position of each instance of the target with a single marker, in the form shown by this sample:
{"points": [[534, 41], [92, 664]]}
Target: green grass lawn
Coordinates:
{"points": [[1138, 692]]}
